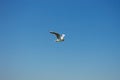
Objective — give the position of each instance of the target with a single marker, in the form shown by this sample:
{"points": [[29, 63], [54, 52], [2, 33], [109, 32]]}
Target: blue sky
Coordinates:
{"points": [[91, 50]]}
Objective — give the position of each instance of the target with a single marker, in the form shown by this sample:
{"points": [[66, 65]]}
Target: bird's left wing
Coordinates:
{"points": [[56, 34]]}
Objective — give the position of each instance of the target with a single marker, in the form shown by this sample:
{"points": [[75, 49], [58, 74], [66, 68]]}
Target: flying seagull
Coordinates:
{"points": [[59, 37]]}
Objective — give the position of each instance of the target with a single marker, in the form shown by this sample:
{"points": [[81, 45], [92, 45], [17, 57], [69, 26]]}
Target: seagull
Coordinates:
{"points": [[59, 37]]}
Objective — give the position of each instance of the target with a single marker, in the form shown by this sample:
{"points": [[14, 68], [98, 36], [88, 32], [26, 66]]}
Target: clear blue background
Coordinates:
{"points": [[91, 50]]}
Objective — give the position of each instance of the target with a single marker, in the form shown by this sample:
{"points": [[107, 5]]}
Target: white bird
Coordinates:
{"points": [[59, 37]]}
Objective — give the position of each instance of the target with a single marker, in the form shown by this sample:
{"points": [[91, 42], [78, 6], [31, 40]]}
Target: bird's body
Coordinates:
{"points": [[60, 38]]}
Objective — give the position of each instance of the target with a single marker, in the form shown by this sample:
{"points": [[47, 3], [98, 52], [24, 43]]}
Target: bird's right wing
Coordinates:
{"points": [[62, 36], [56, 34]]}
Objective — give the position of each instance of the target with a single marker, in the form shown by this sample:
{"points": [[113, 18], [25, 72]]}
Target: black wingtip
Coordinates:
{"points": [[51, 32]]}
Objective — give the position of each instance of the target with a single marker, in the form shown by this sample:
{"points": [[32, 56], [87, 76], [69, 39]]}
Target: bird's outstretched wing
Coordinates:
{"points": [[56, 34], [62, 36]]}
